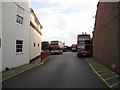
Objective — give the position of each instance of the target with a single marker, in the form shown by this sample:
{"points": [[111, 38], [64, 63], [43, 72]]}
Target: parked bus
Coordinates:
{"points": [[67, 49], [73, 47], [56, 47], [84, 45], [45, 45]]}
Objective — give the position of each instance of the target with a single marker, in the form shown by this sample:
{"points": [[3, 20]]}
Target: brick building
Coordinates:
{"points": [[105, 39]]}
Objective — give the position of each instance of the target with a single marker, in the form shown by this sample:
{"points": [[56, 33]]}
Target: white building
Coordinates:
{"points": [[35, 36], [0, 36], [15, 34]]}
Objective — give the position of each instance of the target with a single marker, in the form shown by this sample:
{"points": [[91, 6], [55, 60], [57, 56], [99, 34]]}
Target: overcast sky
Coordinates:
{"points": [[64, 19]]}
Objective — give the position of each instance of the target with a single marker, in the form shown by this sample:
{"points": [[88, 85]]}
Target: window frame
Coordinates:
{"points": [[20, 15], [19, 20], [19, 46], [0, 43], [38, 45], [34, 44]]}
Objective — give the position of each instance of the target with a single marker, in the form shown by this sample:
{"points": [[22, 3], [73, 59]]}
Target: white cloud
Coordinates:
{"points": [[65, 21], [46, 10], [67, 26], [66, 2], [72, 3]]}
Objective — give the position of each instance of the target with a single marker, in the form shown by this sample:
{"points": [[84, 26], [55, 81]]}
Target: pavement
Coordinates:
{"points": [[18, 70], [109, 77]]}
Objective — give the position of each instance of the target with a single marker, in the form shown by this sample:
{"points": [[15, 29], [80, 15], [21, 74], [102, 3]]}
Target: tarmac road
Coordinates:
{"points": [[60, 71]]}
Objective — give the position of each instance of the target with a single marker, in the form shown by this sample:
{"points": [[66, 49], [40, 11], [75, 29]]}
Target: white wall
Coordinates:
{"points": [[13, 31], [35, 37], [1, 46], [1, 36]]}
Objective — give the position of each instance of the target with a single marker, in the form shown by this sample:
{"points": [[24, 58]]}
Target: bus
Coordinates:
{"points": [[73, 47], [84, 45], [56, 47], [45, 45]]}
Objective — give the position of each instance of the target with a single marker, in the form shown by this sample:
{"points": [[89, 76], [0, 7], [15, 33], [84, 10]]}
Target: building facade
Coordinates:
{"points": [[0, 36], [105, 38], [15, 34], [35, 36]]}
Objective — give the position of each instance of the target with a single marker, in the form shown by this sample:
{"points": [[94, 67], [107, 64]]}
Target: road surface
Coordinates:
{"points": [[59, 71]]}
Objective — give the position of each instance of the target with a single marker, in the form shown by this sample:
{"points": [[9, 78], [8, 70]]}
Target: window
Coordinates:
{"points": [[81, 42], [54, 42], [87, 42], [83, 38], [81, 47], [19, 18], [19, 46], [87, 47], [34, 44], [0, 42], [38, 45]]}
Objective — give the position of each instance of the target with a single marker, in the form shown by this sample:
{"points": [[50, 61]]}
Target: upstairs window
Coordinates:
{"points": [[0, 42], [34, 44], [38, 45], [19, 46], [20, 12]]}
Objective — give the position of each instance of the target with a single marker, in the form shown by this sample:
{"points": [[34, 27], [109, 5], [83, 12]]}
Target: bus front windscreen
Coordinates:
{"points": [[54, 42], [83, 38], [81, 47]]}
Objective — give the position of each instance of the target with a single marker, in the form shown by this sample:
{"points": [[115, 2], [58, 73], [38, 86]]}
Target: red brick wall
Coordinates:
{"points": [[119, 36], [106, 34]]}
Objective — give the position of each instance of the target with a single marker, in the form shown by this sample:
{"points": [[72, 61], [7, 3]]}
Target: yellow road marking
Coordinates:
{"points": [[106, 73], [114, 84], [103, 71], [91, 67], [99, 76], [112, 77], [104, 80]]}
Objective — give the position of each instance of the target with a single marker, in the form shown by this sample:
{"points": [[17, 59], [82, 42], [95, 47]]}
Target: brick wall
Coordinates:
{"points": [[119, 36], [105, 48]]}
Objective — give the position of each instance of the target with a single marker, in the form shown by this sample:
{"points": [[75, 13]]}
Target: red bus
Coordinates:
{"points": [[45, 45], [56, 47], [84, 45], [73, 47]]}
